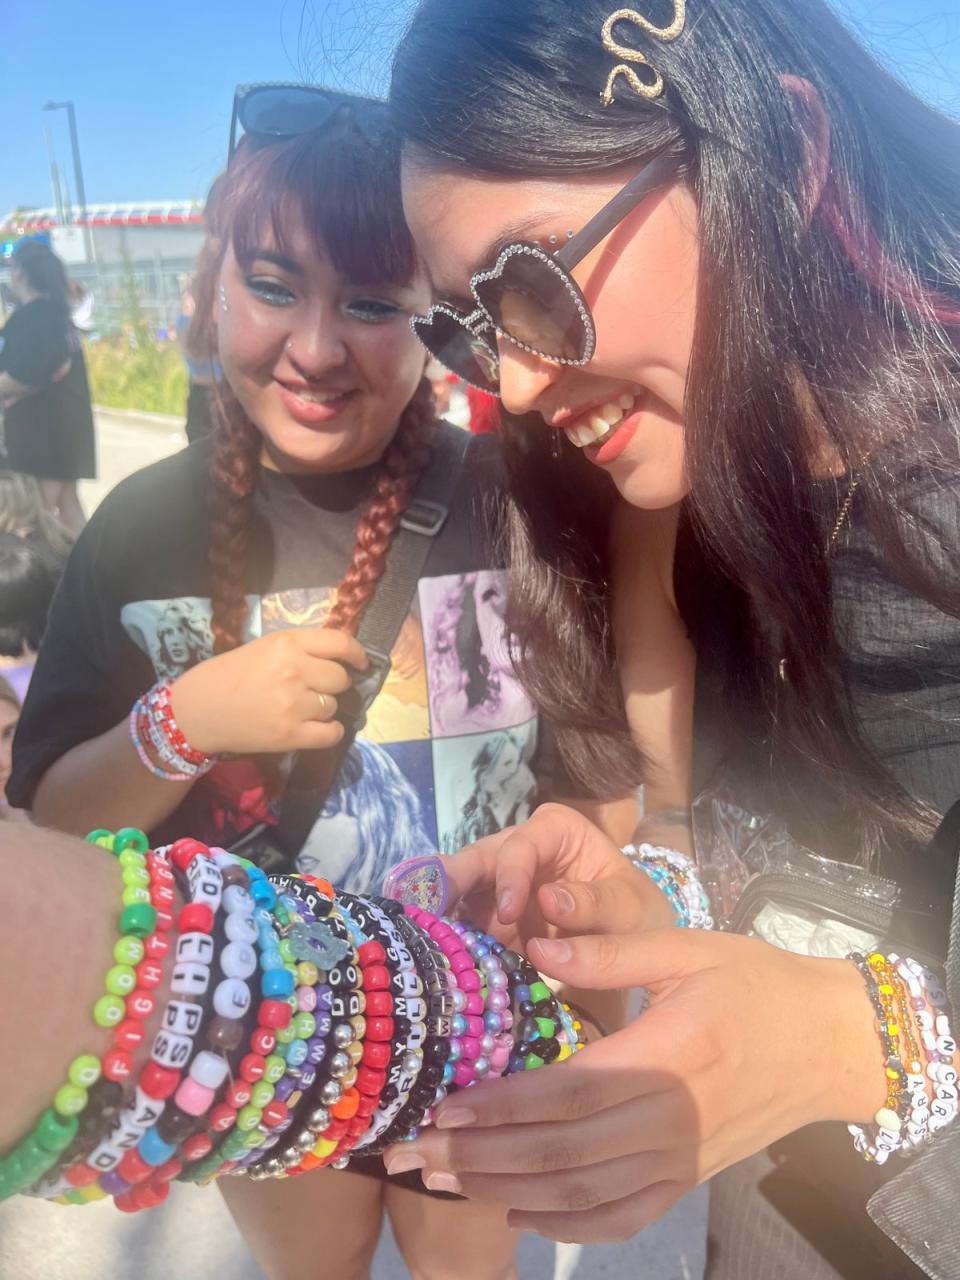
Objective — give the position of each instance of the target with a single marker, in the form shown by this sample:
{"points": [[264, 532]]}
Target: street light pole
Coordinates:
{"points": [[77, 171]]}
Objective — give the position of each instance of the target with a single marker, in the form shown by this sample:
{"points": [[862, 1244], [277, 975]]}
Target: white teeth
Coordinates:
{"points": [[611, 414], [598, 426], [626, 402], [580, 436]]}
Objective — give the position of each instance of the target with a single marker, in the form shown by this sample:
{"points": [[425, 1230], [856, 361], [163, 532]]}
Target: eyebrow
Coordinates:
{"points": [[512, 232], [278, 259]]}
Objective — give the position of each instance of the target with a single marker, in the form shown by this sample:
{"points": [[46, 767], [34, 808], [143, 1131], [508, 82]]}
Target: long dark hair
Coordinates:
{"points": [[45, 274], [848, 320], [344, 183]]}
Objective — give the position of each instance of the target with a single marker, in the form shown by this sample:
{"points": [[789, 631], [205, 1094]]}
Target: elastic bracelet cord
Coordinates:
{"points": [[400, 1055], [152, 724], [49, 1145], [333, 1095], [919, 1047], [677, 877]]}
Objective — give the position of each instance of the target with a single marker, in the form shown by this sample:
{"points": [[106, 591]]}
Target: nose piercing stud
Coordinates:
{"points": [[224, 305]]}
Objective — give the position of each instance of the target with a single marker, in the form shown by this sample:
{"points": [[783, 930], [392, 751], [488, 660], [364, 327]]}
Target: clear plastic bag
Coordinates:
{"points": [[763, 882]]}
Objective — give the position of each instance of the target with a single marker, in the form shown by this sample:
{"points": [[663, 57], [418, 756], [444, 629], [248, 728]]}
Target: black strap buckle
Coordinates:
{"points": [[425, 517]]}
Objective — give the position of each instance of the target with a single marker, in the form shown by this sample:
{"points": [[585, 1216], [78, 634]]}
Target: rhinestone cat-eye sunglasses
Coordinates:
{"points": [[530, 298]]}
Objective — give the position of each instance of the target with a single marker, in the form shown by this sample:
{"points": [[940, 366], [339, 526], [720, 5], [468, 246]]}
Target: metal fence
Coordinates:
{"points": [[157, 284]]}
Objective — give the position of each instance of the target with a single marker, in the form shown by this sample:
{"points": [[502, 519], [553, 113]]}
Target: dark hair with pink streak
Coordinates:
{"points": [[848, 319]]}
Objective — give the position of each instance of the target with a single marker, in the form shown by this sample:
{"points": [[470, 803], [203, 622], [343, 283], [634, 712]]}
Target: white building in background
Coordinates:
{"points": [[153, 244], [142, 231]]}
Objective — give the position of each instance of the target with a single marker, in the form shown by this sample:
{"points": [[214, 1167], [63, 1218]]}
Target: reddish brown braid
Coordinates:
{"points": [[235, 465], [234, 475], [401, 468]]}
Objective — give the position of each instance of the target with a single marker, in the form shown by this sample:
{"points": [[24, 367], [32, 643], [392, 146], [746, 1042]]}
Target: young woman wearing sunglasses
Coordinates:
{"points": [[236, 574], [707, 254]]}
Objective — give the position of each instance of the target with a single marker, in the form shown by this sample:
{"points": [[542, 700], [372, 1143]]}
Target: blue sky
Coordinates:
{"points": [[153, 84]]}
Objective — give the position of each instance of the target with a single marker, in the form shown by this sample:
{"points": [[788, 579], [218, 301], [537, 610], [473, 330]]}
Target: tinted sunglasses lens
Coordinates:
{"points": [[276, 111], [459, 350], [532, 303]]}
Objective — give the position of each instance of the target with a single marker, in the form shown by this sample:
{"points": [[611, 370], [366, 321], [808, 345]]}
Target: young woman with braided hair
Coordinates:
{"points": [[238, 572]]}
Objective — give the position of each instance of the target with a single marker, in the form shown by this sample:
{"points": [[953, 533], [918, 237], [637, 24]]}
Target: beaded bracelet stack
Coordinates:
{"points": [[677, 877], [299, 1027], [914, 1028], [160, 743]]}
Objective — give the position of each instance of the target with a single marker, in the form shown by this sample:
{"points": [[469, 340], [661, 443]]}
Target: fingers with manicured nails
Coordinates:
{"points": [[599, 962], [566, 1190], [620, 1220], [616, 904], [474, 870], [650, 1122]]}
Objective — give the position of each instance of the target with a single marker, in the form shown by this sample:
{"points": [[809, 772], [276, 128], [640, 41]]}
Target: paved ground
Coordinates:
{"points": [[193, 1236]]}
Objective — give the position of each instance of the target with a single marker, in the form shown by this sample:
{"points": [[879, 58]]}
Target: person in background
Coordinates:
{"points": [[48, 417], [9, 715], [28, 580], [24, 513]]}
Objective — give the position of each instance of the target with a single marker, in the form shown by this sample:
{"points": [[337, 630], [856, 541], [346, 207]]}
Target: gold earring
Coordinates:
{"points": [[616, 50]]}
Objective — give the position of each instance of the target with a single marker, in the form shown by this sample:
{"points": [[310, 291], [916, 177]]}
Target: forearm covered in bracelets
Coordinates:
{"points": [[918, 1051], [269, 1029]]}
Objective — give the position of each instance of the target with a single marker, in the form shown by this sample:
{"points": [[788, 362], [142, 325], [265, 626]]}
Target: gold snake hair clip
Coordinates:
{"points": [[616, 50]]}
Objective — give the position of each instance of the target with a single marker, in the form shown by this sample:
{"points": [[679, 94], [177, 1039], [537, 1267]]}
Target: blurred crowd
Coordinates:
{"points": [[34, 547]]}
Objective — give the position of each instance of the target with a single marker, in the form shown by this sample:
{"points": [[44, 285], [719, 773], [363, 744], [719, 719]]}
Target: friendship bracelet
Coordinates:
{"points": [[677, 877]]}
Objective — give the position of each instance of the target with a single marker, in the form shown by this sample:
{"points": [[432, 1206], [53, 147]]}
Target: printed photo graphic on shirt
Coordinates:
{"points": [[400, 712], [373, 817], [175, 634], [470, 679], [483, 783]]}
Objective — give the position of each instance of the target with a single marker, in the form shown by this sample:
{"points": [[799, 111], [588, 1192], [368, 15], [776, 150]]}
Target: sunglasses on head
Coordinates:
{"points": [[530, 298], [270, 112]]}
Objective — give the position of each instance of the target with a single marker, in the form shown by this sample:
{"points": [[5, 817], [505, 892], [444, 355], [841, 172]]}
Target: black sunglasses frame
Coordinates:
{"points": [[562, 262], [334, 99]]}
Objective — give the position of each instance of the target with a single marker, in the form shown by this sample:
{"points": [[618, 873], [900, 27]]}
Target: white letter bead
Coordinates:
{"points": [[208, 1069], [231, 999], [945, 1073], [238, 960], [237, 899], [936, 995], [190, 979], [146, 1111], [240, 928], [183, 1017], [171, 1050], [947, 1093], [104, 1157], [915, 1082], [924, 1020], [195, 947], [946, 1045]]}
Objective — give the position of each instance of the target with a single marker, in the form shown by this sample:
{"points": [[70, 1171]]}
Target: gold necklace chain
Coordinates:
{"points": [[842, 516]]}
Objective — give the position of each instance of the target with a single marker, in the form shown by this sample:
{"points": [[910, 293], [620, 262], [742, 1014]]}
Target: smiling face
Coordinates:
{"points": [[322, 366], [624, 408]]}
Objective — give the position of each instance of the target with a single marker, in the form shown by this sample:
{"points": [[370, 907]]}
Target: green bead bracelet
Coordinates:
{"points": [[55, 1131]]}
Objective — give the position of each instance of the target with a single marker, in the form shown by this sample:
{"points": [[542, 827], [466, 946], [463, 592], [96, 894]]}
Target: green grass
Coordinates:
{"points": [[133, 371]]}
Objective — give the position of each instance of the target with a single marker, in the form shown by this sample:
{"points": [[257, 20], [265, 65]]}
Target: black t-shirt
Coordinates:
{"points": [[449, 751], [901, 659]]}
